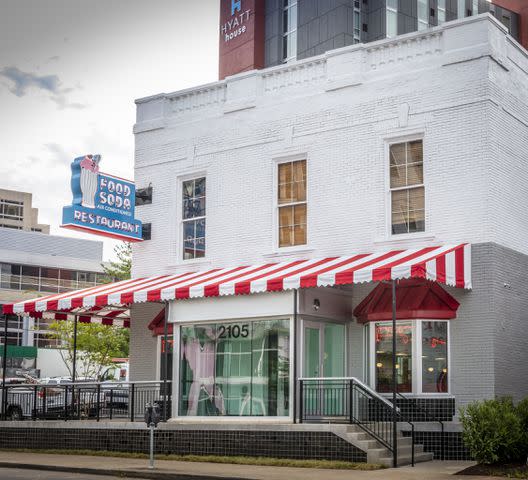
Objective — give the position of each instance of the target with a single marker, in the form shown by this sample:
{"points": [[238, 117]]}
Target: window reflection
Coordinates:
{"points": [[404, 334]]}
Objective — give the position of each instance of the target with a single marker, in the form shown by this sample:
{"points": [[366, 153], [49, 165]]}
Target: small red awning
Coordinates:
{"points": [[415, 298], [449, 264]]}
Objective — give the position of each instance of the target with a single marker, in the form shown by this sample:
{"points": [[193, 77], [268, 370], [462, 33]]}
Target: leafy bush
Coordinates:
{"points": [[522, 412], [493, 431]]}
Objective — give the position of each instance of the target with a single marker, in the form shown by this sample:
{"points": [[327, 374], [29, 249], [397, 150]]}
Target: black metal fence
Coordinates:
{"points": [[85, 401]]}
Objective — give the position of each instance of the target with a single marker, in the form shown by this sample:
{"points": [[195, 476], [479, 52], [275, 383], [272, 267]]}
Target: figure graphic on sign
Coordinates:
{"points": [[89, 176]]}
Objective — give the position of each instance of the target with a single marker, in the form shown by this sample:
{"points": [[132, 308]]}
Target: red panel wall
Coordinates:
{"points": [[241, 36], [520, 7]]}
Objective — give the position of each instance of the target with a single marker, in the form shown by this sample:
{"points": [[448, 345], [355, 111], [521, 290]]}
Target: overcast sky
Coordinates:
{"points": [[69, 73]]}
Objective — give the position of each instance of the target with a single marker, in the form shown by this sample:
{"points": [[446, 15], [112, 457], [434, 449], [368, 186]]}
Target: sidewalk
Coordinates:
{"points": [[169, 470]]}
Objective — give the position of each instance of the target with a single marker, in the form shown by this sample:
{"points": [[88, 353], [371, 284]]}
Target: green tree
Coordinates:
{"points": [[120, 269], [97, 345]]}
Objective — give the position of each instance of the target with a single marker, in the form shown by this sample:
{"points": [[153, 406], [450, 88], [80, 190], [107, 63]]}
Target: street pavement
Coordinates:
{"points": [[23, 474], [172, 470]]}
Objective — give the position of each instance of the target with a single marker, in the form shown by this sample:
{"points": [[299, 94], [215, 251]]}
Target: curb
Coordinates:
{"points": [[147, 474]]}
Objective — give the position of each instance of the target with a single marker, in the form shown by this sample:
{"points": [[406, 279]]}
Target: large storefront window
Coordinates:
{"points": [[404, 334], [421, 356], [235, 369]]}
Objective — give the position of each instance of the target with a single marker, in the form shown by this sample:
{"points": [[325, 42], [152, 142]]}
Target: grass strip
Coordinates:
{"points": [[237, 460]]}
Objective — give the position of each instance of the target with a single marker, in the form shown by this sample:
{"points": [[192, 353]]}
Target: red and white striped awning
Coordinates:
{"points": [[448, 264]]}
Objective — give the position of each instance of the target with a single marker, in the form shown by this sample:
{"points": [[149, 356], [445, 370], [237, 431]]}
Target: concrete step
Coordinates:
{"points": [[406, 459]]}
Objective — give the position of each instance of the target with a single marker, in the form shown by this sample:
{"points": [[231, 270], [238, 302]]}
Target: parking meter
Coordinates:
{"points": [[152, 418], [152, 415]]}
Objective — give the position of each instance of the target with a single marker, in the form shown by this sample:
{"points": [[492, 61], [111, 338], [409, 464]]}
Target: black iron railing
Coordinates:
{"points": [[417, 412], [348, 400], [82, 401]]}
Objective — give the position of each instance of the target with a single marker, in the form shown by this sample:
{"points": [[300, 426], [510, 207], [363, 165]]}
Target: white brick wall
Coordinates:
{"points": [[466, 86]]}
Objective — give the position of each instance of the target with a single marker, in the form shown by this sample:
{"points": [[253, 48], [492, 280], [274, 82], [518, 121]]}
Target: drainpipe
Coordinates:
{"points": [[394, 380], [295, 350]]}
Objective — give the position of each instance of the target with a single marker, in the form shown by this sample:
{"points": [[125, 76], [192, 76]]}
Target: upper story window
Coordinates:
{"points": [[441, 7], [407, 187], [357, 21], [193, 218], [289, 30], [392, 18], [11, 209], [423, 14], [292, 203]]}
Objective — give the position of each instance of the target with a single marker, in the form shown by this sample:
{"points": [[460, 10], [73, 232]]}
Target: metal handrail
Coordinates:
{"points": [[371, 395]]}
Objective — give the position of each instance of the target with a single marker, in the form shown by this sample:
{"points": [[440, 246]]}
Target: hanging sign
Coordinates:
{"points": [[102, 204]]}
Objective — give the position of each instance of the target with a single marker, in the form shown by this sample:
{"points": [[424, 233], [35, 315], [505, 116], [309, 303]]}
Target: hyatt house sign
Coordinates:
{"points": [[241, 42], [102, 204]]}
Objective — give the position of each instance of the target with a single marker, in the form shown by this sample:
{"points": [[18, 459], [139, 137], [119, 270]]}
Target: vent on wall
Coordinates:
{"points": [[146, 231], [144, 196]]}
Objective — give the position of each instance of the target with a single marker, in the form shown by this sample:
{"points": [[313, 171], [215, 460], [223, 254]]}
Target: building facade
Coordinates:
{"points": [[407, 143], [254, 35], [17, 212], [33, 264]]}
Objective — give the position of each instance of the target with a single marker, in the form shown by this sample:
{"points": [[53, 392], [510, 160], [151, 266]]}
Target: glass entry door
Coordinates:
{"points": [[324, 356], [324, 349]]}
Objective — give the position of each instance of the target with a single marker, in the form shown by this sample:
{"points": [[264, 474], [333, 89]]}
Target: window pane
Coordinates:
{"points": [[383, 356], [397, 176], [416, 198], [415, 152], [285, 173], [299, 235], [392, 23], [285, 236], [299, 215], [199, 187], [392, 4], [397, 154], [285, 193], [414, 174], [285, 216], [299, 171], [292, 20], [292, 45], [434, 357], [188, 189], [299, 189], [400, 212], [199, 251], [416, 221]]}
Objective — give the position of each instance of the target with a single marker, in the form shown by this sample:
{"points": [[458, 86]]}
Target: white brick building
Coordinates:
{"points": [[458, 95]]}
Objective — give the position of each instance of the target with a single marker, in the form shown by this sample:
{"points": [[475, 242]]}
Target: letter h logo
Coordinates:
{"points": [[236, 5]]}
